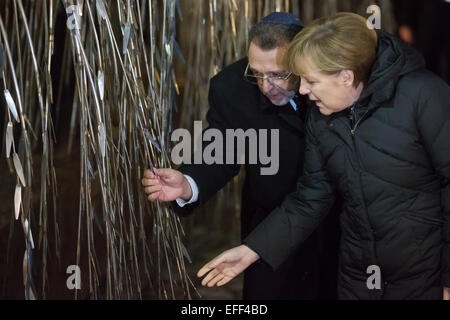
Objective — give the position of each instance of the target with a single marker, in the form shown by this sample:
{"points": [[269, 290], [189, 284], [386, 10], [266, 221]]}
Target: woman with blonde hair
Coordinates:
{"points": [[379, 135]]}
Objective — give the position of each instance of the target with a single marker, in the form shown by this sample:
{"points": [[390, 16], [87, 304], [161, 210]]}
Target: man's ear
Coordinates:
{"points": [[347, 77]]}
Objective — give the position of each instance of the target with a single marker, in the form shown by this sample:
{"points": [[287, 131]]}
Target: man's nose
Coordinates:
{"points": [[304, 88], [266, 85]]}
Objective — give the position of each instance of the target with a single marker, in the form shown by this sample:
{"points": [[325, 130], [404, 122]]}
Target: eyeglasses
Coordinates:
{"points": [[276, 78]]}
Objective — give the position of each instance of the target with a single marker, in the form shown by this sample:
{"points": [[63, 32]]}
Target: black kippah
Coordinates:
{"points": [[282, 18]]}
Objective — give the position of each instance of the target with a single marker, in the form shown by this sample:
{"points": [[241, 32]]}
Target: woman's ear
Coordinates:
{"points": [[347, 77]]}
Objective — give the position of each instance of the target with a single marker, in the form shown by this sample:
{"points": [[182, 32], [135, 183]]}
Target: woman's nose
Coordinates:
{"points": [[304, 88]]}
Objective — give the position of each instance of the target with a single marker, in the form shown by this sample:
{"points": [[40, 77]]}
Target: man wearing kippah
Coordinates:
{"points": [[258, 93]]}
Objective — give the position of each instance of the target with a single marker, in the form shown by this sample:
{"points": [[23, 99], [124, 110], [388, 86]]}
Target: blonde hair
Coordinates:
{"points": [[336, 43]]}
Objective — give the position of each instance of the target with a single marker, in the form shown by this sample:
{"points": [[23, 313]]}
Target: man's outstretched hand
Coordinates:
{"points": [[166, 185], [227, 266]]}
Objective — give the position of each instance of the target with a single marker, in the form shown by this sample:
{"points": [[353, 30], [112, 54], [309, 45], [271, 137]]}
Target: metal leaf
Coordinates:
{"points": [[9, 138], [11, 104], [2, 58], [168, 48], [28, 232], [30, 290], [102, 138], [185, 252], [152, 140], [101, 8], [177, 49], [97, 221], [17, 200], [19, 169], [91, 171], [126, 37], [101, 83], [80, 7], [179, 12], [25, 269]]}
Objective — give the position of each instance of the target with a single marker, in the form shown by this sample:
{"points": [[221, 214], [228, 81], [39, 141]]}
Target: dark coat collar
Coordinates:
{"points": [[286, 112]]}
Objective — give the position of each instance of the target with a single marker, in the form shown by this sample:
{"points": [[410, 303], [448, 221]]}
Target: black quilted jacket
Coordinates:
{"points": [[388, 155]]}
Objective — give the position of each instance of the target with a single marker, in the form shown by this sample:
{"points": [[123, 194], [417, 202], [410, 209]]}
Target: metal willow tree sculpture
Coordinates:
{"points": [[121, 53]]}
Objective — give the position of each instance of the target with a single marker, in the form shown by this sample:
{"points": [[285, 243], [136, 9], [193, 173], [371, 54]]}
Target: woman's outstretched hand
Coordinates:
{"points": [[227, 266]]}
